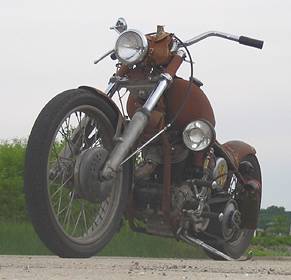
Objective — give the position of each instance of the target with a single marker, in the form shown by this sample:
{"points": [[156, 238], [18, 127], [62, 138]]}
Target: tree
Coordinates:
{"points": [[267, 215], [280, 225]]}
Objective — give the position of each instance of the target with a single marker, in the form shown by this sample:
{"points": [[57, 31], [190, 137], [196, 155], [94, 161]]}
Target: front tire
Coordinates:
{"points": [[70, 223]]}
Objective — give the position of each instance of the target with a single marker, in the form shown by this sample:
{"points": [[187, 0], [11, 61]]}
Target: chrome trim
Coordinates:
{"points": [[175, 46], [134, 129], [120, 25], [103, 56], [144, 49], [167, 76], [210, 34], [110, 86], [181, 53], [131, 133], [208, 134], [191, 240], [158, 92]]}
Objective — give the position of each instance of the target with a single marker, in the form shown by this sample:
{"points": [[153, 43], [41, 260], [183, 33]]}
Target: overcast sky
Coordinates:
{"points": [[49, 46]]}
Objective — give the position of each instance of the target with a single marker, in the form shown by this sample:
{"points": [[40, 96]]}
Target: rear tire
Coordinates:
{"points": [[236, 248], [68, 223]]}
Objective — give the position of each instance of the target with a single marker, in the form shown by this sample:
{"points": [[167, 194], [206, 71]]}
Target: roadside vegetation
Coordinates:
{"points": [[271, 246], [18, 237], [12, 205]]}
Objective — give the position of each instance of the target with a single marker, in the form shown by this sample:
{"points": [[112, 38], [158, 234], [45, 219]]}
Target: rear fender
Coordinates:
{"points": [[250, 197], [237, 150]]}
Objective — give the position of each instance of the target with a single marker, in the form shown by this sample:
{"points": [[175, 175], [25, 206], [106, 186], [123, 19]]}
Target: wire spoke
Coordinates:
{"points": [[78, 132], [85, 219], [60, 202], [69, 210], [56, 155], [62, 211], [61, 187], [79, 117], [62, 132], [67, 121], [76, 224]]}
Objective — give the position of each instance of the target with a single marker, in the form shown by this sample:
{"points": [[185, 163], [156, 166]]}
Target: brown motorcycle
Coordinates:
{"points": [[144, 151]]}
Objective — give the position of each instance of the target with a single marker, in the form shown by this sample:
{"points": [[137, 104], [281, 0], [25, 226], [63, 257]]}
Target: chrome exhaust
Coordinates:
{"points": [[191, 240]]}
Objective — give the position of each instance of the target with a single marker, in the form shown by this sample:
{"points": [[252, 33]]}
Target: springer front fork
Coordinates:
{"points": [[140, 119]]}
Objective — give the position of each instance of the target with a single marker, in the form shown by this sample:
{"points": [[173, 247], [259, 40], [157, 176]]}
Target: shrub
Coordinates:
{"points": [[12, 205]]}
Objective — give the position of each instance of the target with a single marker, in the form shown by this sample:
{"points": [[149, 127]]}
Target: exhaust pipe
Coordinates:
{"points": [[190, 240]]}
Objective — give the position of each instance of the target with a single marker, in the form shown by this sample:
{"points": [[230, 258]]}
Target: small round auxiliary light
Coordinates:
{"points": [[198, 135]]}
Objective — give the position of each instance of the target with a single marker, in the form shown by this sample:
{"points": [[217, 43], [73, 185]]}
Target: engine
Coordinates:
{"points": [[188, 201]]}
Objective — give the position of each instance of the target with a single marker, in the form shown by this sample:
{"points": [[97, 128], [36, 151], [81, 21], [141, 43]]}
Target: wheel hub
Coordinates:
{"points": [[86, 175], [231, 220]]}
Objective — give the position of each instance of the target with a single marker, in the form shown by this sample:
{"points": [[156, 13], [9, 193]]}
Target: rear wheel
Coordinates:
{"points": [[73, 212], [239, 239]]}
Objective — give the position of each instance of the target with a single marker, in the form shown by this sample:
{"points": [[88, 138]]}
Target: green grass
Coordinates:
{"points": [[271, 246], [269, 241], [272, 251], [20, 239], [128, 243]]}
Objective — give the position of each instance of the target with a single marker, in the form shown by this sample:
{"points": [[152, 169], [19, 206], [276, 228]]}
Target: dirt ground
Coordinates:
{"points": [[43, 267]]}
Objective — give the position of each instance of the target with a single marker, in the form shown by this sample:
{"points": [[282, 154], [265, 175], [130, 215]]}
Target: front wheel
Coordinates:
{"points": [[241, 239], [72, 211]]}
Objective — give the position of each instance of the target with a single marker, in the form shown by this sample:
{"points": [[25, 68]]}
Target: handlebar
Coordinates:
{"points": [[240, 39], [251, 42], [103, 56]]}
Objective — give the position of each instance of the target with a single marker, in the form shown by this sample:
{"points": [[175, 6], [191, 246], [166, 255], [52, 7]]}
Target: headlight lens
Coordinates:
{"points": [[198, 135], [131, 47]]}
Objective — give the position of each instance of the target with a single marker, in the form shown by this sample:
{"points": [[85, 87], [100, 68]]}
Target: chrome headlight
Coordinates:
{"points": [[131, 47], [198, 135]]}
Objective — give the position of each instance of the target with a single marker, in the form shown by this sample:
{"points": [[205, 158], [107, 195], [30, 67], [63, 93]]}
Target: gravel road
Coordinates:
{"points": [[43, 267]]}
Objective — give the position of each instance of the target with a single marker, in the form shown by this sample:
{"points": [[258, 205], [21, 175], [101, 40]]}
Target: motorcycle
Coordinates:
{"points": [[144, 151]]}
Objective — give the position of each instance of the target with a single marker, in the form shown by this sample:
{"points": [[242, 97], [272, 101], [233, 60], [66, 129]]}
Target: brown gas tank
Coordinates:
{"points": [[197, 107], [197, 104]]}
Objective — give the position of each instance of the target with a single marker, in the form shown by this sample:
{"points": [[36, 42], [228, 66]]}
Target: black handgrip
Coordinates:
{"points": [[251, 42]]}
